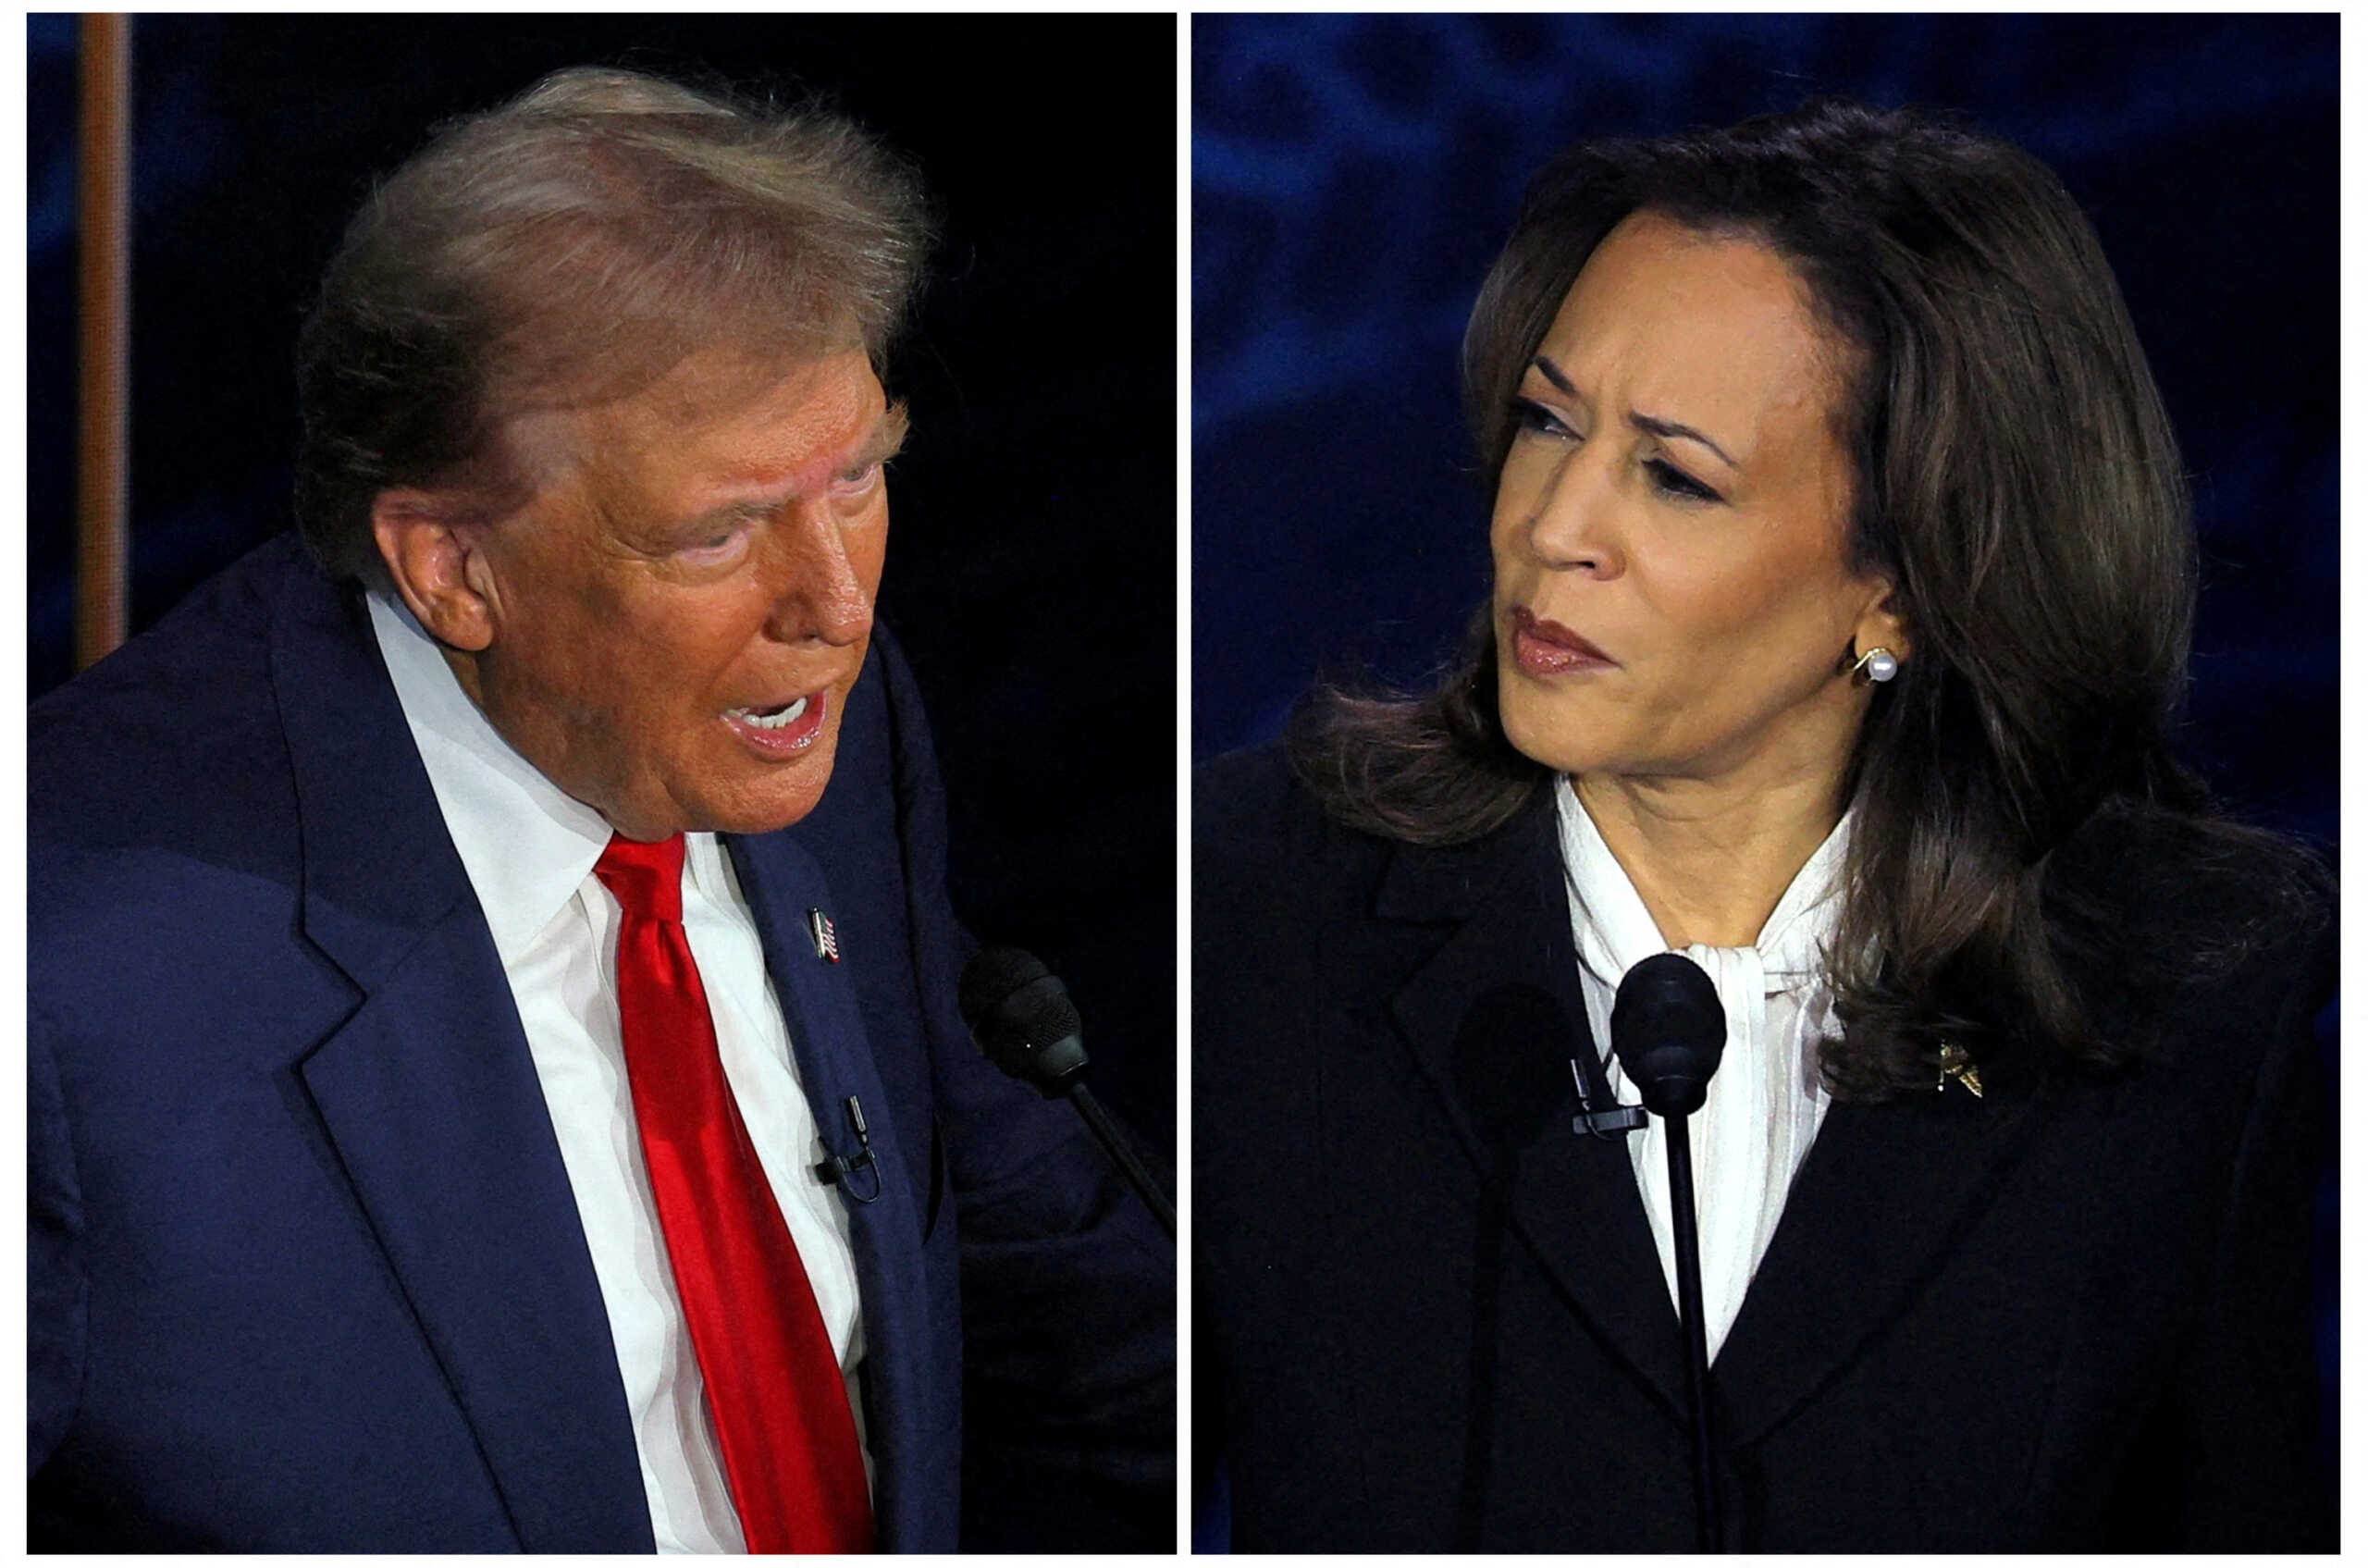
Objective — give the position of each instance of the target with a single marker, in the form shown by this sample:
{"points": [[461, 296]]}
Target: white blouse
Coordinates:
{"points": [[1766, 1101]]}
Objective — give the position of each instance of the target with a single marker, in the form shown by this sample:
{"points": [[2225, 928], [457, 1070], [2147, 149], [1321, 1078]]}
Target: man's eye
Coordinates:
{"points": [[714, 546], [860, 476]]}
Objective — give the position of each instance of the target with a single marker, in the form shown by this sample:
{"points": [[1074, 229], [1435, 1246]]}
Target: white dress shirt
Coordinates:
{"points": [[529, 850], [1766, 1101]]}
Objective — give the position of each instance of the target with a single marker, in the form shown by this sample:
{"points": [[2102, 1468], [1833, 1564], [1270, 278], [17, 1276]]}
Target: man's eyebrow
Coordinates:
{"points": [[882, 441], [1668, 429], [888, 432]]}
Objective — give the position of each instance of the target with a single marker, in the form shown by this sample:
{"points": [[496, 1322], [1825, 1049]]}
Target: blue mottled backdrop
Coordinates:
{"points": [[1354, 176]]}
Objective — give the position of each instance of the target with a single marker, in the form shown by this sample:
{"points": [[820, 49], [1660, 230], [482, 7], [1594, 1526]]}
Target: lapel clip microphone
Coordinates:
{"points": [[1599, 1114], [837, 1170]]}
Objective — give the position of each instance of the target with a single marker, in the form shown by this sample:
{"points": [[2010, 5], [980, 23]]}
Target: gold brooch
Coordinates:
{"points": [[1955, 1064]]}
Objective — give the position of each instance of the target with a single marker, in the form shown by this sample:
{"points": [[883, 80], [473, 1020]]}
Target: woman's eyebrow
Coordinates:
{"points": [[1667, 428], [1650, 423], [1553, 373]]}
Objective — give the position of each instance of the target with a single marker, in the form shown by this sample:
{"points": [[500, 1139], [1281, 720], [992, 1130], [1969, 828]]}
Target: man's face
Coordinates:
{"points": [[677, 621]]}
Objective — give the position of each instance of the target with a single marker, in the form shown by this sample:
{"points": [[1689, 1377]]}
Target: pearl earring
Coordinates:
{"points": [[1877, 663]]}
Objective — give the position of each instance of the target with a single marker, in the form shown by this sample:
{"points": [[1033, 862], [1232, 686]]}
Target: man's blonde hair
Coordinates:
{"points": [[568, 248]]}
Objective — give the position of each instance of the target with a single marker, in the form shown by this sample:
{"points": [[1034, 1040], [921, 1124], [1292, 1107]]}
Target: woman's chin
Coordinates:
{"points": [[1547, 739]]}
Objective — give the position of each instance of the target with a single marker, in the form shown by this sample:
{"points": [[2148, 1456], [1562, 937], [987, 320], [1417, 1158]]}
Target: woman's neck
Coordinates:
{"points": [[1710, 863]]}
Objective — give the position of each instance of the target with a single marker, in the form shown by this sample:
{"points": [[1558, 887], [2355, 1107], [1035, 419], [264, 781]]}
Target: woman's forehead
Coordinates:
{"points": [[1715, 332]]}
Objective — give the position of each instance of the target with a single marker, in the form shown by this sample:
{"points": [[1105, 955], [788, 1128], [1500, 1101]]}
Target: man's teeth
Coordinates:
{"points": [[787, 716]]}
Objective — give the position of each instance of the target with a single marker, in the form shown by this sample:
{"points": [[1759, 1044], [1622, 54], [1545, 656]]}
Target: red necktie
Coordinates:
{"points": [[773, 1381]]}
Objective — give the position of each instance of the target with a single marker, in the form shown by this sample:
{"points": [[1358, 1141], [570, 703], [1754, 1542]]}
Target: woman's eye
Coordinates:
{"points": [[1539, 419], [1671, 481]]}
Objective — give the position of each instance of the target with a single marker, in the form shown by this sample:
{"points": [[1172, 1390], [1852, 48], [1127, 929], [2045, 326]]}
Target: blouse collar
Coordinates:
{"points": [[1789, 946]]}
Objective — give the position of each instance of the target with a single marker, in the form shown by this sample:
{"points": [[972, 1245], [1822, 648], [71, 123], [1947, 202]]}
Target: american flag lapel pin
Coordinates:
{"points": [[826, 935]]}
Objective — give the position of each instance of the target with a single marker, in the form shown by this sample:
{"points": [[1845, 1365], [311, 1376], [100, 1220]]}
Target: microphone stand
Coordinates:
{"points": [[1122, 1154], [1668, 1029], [1691, 1321], [1023, 1021]]}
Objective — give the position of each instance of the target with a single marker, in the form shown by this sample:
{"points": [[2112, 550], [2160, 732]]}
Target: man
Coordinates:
{"points": [[461, 1118]]}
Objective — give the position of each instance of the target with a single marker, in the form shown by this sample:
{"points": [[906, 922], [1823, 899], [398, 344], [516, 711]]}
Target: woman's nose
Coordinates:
{"points": [[1573, 522]]}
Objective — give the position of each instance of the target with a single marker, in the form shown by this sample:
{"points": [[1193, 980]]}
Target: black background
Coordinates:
{"points": [[1032, 567]]}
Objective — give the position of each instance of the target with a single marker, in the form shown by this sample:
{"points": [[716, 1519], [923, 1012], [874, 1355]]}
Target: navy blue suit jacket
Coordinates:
{"points": [[306, 1271]]}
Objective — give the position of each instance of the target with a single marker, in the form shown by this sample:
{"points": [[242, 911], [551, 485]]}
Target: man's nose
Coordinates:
{"points": [[818, 594]]}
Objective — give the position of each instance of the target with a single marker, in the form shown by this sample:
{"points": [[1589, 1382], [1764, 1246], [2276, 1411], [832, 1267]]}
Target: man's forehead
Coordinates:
{"points": [[747, 424], [722, 386]]}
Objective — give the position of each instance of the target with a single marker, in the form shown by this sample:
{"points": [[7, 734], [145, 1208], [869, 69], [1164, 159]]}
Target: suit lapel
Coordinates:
{"points": [[429, 1095], [781, 883], [1493, 1019], [425, 1098], [1888, 1188]]}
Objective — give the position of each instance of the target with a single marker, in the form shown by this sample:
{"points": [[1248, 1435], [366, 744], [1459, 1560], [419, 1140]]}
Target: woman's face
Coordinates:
{"points": [[1671, 601]]}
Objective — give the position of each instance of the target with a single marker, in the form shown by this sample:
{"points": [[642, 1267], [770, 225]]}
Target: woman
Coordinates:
{"points": [[1843, 580]]}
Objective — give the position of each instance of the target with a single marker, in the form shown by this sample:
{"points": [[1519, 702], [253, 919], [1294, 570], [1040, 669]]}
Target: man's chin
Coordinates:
{"points": [[749, 825], [725, 793], [769, 804]]}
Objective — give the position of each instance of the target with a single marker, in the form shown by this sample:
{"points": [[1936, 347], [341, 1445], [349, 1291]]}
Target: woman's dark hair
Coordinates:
{"points": [[2016, 480]]}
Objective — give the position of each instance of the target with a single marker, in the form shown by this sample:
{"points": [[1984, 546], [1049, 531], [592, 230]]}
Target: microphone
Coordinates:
{"points": [[1021, 1016], [1669, 1031]]}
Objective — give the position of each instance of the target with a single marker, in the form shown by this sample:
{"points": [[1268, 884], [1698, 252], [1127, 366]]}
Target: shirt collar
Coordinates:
{"points": [[526, 844]]}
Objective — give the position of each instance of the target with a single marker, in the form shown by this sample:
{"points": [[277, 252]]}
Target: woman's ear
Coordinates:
{"points": [[431, 551], [1883, 624]]}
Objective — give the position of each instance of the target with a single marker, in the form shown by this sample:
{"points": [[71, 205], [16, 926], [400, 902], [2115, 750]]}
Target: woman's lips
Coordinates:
{"points": [[1549, 647]]}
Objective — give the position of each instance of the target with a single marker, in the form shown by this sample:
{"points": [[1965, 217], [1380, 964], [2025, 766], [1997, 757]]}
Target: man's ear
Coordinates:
{"points": [[431, 551]]}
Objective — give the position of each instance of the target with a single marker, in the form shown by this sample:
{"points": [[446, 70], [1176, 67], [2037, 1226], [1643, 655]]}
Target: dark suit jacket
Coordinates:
{"points": [[306, 1270], [2070, 1313]]}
